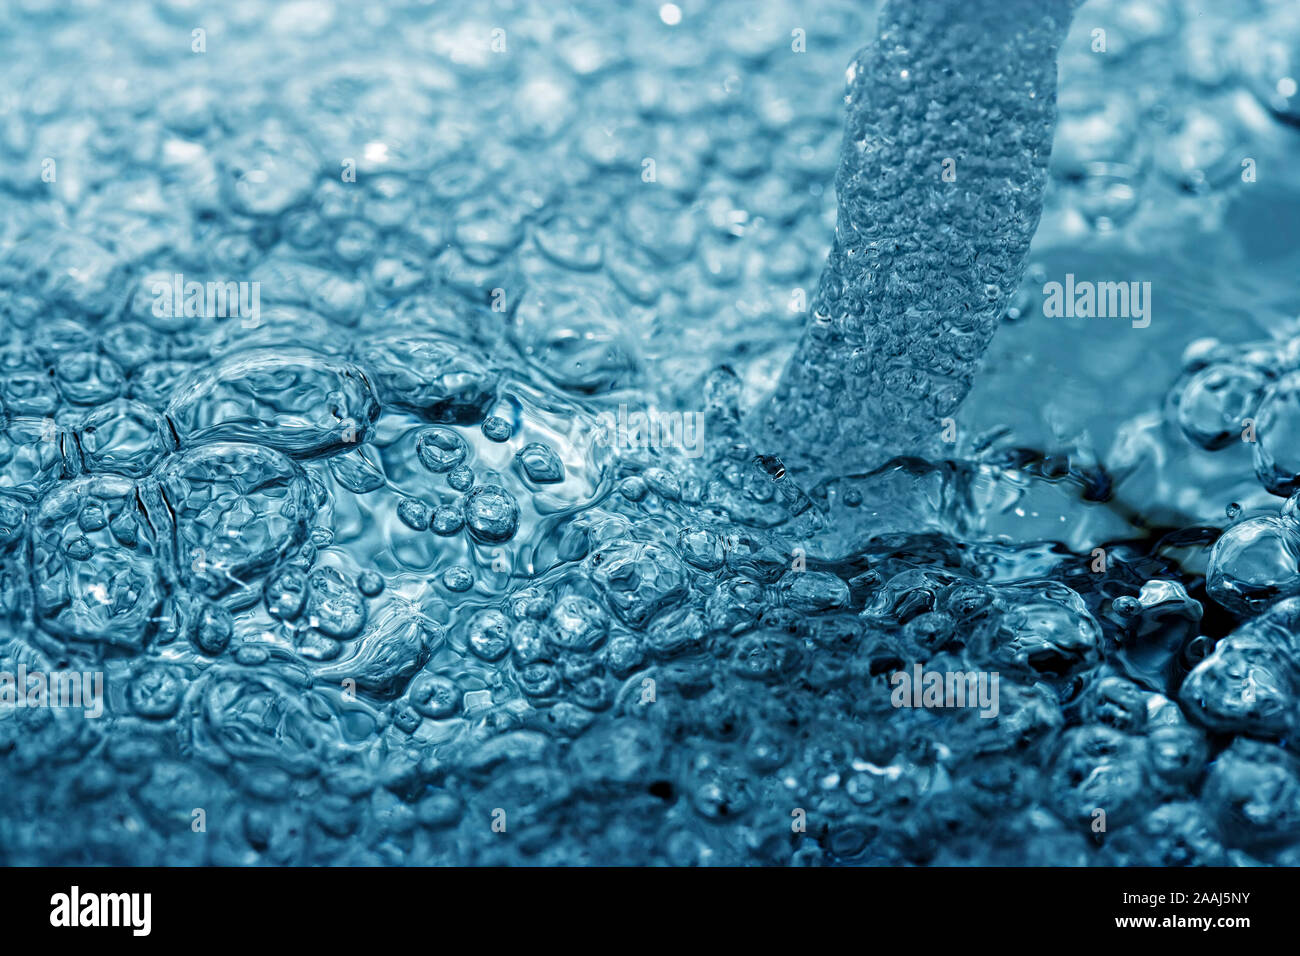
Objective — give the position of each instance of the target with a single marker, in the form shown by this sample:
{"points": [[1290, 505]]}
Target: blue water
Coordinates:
{"points": [[470, 433]]}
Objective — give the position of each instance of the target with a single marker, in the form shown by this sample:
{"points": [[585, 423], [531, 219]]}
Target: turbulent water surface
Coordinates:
{"points": [[462, 433]]}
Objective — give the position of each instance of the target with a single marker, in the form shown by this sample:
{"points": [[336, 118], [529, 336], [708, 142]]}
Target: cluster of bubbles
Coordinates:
{"points": [[1165, 107], [1245, 397], [370, 582]]}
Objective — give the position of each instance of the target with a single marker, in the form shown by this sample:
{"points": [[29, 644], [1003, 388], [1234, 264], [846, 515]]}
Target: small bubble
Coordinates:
{"points": [[1127, 606], [457, 578], [497, 429], [461, 478], [447, 520], [633, 488]]}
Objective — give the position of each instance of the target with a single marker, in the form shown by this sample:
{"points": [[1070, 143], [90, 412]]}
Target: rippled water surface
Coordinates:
{"points": [[440, 428]]}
